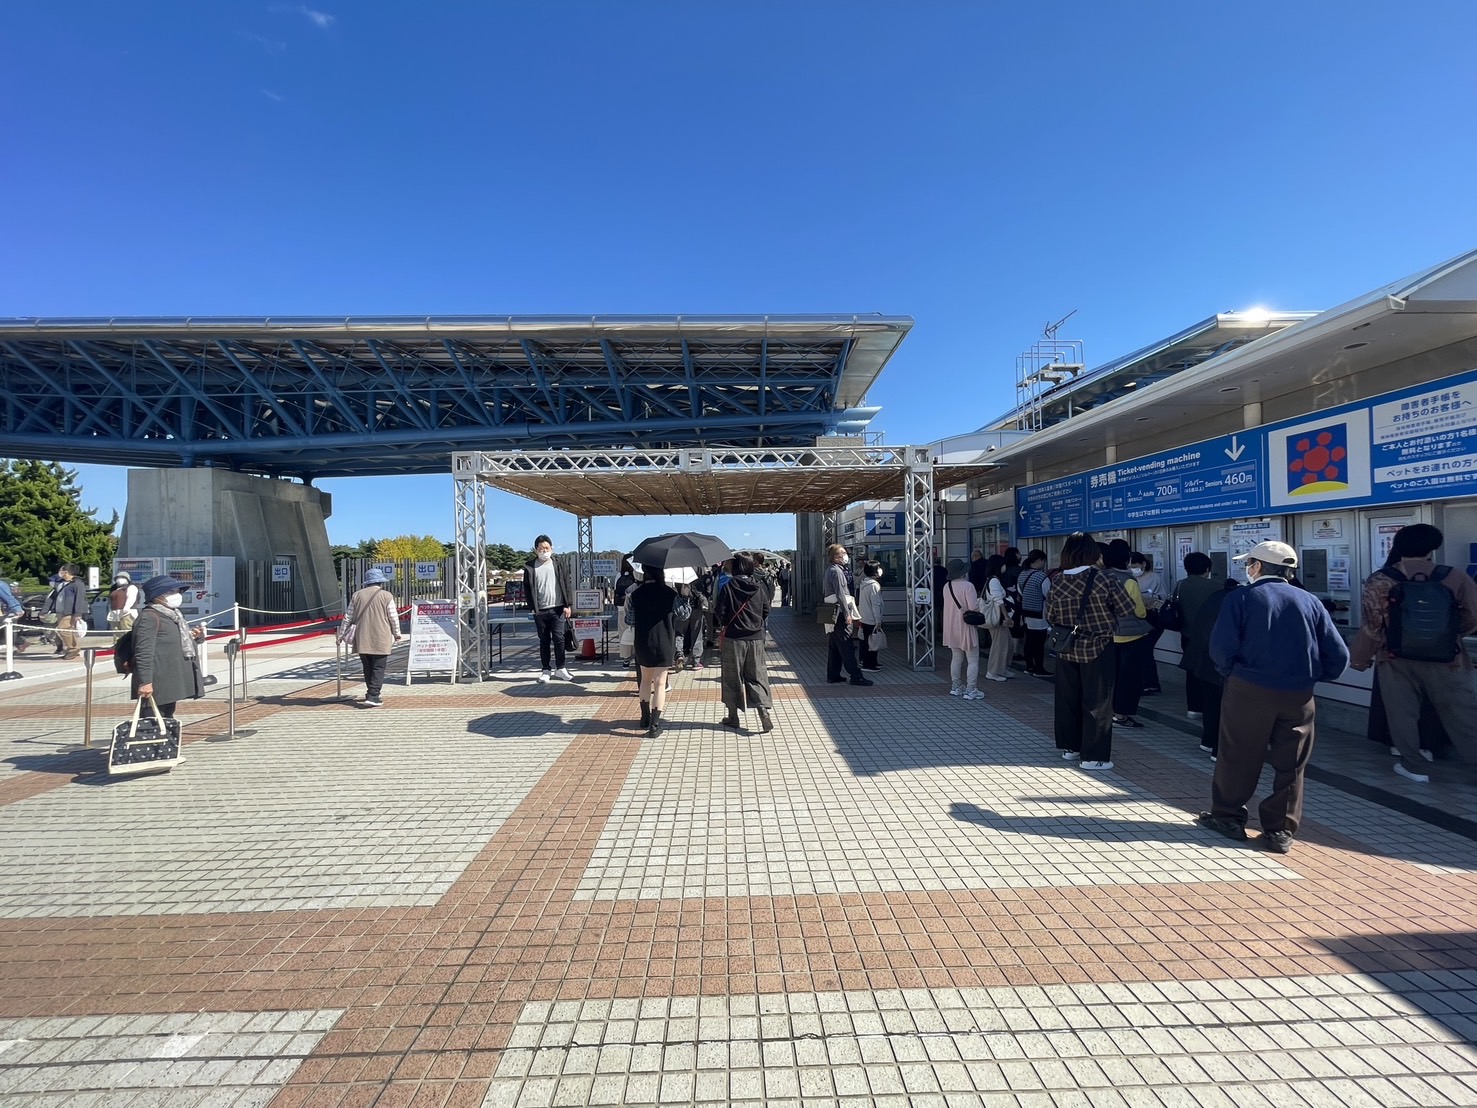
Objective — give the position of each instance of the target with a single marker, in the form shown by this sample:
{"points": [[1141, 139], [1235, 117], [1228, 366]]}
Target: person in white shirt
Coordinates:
{"points": [[548, 588]]}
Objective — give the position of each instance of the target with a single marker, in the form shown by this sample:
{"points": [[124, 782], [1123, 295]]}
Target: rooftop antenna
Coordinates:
{"points": [[1051, 329]]}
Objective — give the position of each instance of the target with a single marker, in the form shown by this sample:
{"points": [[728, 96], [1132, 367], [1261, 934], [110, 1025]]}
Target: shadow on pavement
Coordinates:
{"points": [[1085, 827]]}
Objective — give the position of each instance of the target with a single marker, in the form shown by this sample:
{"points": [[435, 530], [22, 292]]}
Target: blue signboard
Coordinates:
{"points": [[884, 524], [1215, 479], [1052, 508], [1418, 443]]}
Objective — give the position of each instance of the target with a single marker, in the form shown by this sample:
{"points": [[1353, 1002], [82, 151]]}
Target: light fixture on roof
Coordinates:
{"points": [[1231, 388], [1141, 419], [1355, 345]]}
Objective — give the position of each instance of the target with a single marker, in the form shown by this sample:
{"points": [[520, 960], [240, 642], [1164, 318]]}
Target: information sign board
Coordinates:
{"points": [[884, 524], [1417, 443], [587, 629], [588, 601], [602, 567], [427, 571], [281, 573], [433, 638]]}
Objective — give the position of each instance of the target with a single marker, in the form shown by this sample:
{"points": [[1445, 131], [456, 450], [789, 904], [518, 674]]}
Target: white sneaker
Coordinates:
{"points": [[1096, 765], [1205, 749], [1072, 755], [1418, 778], [543, 678], [1194, 715], [957, 690], [993, 677], [973, 694], [563, 674], [1009, 674], [1428, 756]]}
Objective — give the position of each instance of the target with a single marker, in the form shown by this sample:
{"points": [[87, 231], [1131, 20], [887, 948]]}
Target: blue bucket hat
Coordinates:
{"points": [[163, 585], [374, 577]]}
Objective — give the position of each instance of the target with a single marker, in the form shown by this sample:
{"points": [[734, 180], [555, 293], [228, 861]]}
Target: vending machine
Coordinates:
{"points": [[209, 584]]}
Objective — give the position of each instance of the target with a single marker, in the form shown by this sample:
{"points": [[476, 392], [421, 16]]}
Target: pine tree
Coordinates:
{"points": [[43, 523]]}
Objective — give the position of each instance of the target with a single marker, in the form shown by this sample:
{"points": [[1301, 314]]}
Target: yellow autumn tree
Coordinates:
{"points": [[409, 548]]}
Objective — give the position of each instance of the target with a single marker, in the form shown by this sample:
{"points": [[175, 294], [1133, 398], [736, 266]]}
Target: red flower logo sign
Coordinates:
{"points": [[1319, 460]]}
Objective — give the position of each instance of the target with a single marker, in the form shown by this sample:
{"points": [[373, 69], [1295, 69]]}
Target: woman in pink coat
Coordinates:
{"points": [[963, 640]]}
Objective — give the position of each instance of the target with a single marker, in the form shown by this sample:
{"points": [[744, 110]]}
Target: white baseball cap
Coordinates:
{"points": [[1272, 553]]}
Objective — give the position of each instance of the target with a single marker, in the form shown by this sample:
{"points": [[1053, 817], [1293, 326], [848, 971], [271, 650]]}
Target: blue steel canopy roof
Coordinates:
{"points": [[317, 397]]}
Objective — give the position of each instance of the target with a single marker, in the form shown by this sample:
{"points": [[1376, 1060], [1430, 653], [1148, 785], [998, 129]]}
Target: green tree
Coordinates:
{"points": [[502, 556], [414, 548], [43, 523]]}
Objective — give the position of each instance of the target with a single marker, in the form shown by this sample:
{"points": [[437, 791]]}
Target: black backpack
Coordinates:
{"points": [[1422, 621], [123, 653]]}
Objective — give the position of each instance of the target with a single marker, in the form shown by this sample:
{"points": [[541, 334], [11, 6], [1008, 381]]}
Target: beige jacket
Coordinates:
{"points": [[374, 618]]}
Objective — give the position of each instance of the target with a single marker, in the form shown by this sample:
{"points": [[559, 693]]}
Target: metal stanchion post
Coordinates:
{"points": [[233, 647], [89, 656], [10, 673], [241, 635], [338, 650]]}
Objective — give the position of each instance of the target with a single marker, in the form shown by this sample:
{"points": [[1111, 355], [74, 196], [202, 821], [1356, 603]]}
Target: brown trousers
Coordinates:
{"points": [[1260, 725]]}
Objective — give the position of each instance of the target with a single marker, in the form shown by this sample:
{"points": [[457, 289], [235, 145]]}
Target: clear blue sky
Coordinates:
{"points": [[983, 167]]}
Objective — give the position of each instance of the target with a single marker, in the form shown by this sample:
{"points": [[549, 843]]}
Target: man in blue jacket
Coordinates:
{"points": [[1273, 642]]}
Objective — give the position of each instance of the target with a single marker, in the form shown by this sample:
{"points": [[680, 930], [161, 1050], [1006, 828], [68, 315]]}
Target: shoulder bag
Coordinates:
{"points": [[1061, 639], [969, 616], [1169, 616]]}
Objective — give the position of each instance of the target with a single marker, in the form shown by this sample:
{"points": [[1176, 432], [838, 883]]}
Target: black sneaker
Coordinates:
{"points": [[862, 681], [1126, 721], [1278, 842], [1222, 826]]}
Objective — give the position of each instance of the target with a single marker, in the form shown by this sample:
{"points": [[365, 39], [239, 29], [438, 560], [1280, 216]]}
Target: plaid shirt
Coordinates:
{"points": [[1106, 601]]}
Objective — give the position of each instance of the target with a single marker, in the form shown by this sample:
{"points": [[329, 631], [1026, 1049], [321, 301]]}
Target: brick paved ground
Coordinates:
{"points": [[504, 895]]}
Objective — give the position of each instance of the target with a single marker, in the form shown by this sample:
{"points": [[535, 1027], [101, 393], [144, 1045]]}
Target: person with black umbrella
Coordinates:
{"points": [[656, 610]]}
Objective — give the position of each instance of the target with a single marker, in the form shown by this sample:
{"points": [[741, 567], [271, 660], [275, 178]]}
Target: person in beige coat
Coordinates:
{"points": [[372, 627]]}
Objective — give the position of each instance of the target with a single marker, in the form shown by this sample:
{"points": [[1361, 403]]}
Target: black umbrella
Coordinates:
{"points": [[685, 549]]}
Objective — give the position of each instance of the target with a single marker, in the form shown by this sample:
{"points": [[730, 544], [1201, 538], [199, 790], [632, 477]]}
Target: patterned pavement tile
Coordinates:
{"points": [[503, 893]]}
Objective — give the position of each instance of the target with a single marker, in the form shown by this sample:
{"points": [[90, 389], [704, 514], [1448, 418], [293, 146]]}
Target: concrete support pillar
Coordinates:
{"points": [[1251, 414], [202, 512]]}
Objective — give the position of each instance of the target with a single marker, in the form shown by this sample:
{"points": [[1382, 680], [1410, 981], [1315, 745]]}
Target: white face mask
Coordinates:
{"points": [[173, 600], [1137, 571], [545, 555], [846, 559]]}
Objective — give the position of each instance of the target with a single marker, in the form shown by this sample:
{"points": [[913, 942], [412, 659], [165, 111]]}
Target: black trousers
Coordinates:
{"points": [[841, 653], [549, 622], [1128, 686], [1084, 706], [374, 672], [1036, 651], [1194, 693], [869, 657], [1210, 722], [1151, 663]]}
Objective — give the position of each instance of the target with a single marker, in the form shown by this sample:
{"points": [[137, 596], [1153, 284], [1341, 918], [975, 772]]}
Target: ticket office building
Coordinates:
{"points": [[1330, 433]]}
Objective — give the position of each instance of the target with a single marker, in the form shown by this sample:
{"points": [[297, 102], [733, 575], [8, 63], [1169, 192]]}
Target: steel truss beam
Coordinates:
{"points": [[918, 517], [912, 464], [329, 396], [471, 571]]}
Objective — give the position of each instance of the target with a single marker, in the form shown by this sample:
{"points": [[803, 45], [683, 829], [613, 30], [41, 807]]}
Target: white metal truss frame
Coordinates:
{"points": [[471, 570], [473, 470], [584, 572], [918, 518]]}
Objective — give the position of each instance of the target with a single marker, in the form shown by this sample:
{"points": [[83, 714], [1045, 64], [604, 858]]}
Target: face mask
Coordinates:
{"points": [[846, 559], [173, 600], [1252, 575], [545, 555], [1137, 571]]}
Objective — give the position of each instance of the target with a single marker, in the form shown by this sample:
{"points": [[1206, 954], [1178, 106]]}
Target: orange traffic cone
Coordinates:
{"points": [[587, 648]]}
